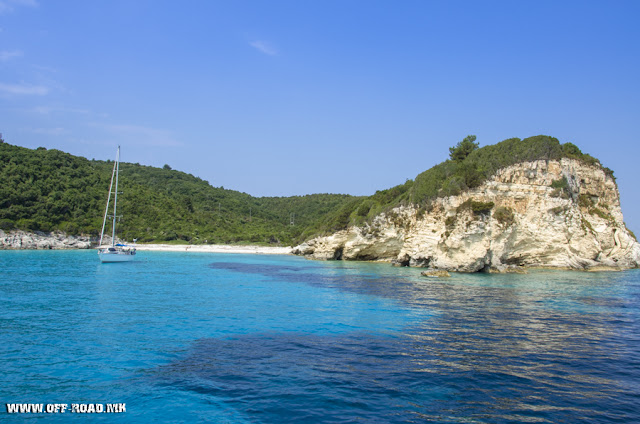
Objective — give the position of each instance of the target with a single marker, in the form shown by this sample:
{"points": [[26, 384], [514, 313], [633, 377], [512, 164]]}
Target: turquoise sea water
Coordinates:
{"points": [[194, 337]]}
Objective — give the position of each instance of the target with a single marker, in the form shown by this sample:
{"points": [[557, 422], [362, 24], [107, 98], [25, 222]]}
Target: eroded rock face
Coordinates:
{"points": [[38, 240], [514, 220]]}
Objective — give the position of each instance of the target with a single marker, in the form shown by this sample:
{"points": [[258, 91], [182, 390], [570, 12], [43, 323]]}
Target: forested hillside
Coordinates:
{"points": [[47, 190]]}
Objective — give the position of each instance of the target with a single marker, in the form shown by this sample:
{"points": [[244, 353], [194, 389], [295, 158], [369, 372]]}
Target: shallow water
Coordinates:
{"points": [[188, 337]]}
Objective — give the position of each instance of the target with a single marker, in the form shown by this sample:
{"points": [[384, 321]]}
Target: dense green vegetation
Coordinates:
{"points": [[468, 167], [46, 190]]}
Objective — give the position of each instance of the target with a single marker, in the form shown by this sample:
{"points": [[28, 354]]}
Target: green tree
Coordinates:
{"points": [[460, 151]]}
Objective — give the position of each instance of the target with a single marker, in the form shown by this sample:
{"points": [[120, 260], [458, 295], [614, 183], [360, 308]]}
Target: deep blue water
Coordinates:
{"points": [[191, 337]]}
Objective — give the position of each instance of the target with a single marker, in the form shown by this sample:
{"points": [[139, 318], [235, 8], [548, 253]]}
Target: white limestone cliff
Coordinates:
{"points": [[526, 223], [38, 240]]}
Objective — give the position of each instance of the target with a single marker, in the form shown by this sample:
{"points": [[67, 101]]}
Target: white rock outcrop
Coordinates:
{"points": [[38, 240], [520, 220]]}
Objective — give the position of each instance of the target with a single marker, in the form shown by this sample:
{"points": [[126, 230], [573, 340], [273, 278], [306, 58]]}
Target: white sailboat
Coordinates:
{"points": [[116, 252]]}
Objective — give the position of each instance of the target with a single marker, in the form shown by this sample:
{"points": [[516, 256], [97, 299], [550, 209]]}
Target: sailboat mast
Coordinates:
{"points": [[106, 210], [115, 199]]}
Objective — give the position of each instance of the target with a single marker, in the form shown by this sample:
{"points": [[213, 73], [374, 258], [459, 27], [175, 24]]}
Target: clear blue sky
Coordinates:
{"points": [[278, 98]]}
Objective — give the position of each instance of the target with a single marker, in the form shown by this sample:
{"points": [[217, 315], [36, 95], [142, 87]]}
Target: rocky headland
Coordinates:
{"points": [[546, 213]]}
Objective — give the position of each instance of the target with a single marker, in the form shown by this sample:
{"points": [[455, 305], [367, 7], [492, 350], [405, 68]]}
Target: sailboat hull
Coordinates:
{"points": [[117, 255]]}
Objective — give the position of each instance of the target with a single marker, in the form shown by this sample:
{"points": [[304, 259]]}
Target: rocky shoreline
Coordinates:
{"points": [[22, 240]]}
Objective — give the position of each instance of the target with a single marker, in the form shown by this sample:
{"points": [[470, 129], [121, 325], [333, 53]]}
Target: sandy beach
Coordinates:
{"points": [[215, 248]]}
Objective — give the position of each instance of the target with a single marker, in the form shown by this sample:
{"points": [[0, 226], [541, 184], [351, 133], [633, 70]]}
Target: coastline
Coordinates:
{"points": [[23, 240], [214, 248]]}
